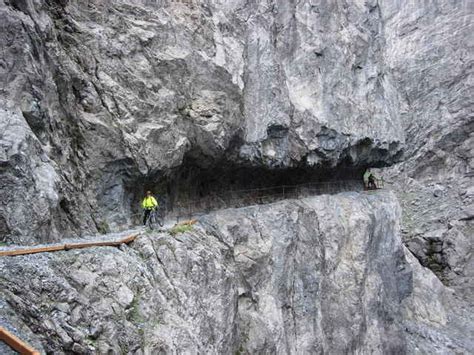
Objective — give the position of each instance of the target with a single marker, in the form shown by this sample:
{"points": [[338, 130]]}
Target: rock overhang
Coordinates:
{"points": [[120, 103]]}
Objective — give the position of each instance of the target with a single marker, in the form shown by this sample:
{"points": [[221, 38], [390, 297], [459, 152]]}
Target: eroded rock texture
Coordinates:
{"points": [[435, 180], [326, 274], [99, 97], [102, 99]]}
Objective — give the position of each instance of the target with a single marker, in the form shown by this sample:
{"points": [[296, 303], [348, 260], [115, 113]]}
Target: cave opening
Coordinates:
{"points": [[192, 189]]}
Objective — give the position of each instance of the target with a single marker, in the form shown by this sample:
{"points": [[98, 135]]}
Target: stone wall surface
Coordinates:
{"points": [[101, 99], [430, 49], [326, 274], [100, 96]]}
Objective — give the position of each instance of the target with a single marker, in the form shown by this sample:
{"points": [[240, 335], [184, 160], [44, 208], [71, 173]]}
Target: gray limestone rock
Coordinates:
{"points": [[431, 61], [325, 274], [100, 100], [106, 96]]}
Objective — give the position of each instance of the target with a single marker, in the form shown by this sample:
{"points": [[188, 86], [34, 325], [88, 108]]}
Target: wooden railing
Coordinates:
{"points": [[16, 343], [52, 248]]}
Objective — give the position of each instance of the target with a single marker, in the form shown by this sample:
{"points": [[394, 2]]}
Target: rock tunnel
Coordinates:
{"points": [[191, 188]]}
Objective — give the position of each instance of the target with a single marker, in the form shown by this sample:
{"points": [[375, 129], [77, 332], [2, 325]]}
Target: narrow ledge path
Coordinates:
{"points": [[192, 209]]}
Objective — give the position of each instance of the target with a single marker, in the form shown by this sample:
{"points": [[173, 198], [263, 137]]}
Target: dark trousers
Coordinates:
{"points": [[372, 185], [146, 215]]}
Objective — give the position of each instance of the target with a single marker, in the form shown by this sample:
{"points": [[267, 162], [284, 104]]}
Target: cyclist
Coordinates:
{"points": [[369, 180], [372, 184], [148, 204], [367, 174]]}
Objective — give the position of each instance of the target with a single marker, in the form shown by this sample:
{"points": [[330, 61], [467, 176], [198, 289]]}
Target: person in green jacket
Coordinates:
{"points": [[366, 178], [369, 180], [148, 204]]}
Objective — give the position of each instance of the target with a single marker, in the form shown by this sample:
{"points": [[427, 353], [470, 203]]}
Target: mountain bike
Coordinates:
{"points": [[155, 219], [375, 184]]}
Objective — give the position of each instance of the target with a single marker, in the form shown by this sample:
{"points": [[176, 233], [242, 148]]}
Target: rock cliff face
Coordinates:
{"points": [[327, 274], [431, 64], [100, 100]]}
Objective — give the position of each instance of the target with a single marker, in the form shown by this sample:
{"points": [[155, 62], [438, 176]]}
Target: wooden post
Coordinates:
{"points": [[16, 343], [52, 248]]}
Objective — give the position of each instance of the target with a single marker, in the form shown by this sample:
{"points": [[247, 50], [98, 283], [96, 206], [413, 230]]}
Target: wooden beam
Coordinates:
{"points": [[16, 343], [31, 250], [114, 243]]}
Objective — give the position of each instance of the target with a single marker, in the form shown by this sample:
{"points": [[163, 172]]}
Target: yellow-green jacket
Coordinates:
{"points": [[366, 176], [149, 202]]}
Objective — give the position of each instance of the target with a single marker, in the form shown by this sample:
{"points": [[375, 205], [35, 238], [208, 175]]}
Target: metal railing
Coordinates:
{"points": [[241, 198]]}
